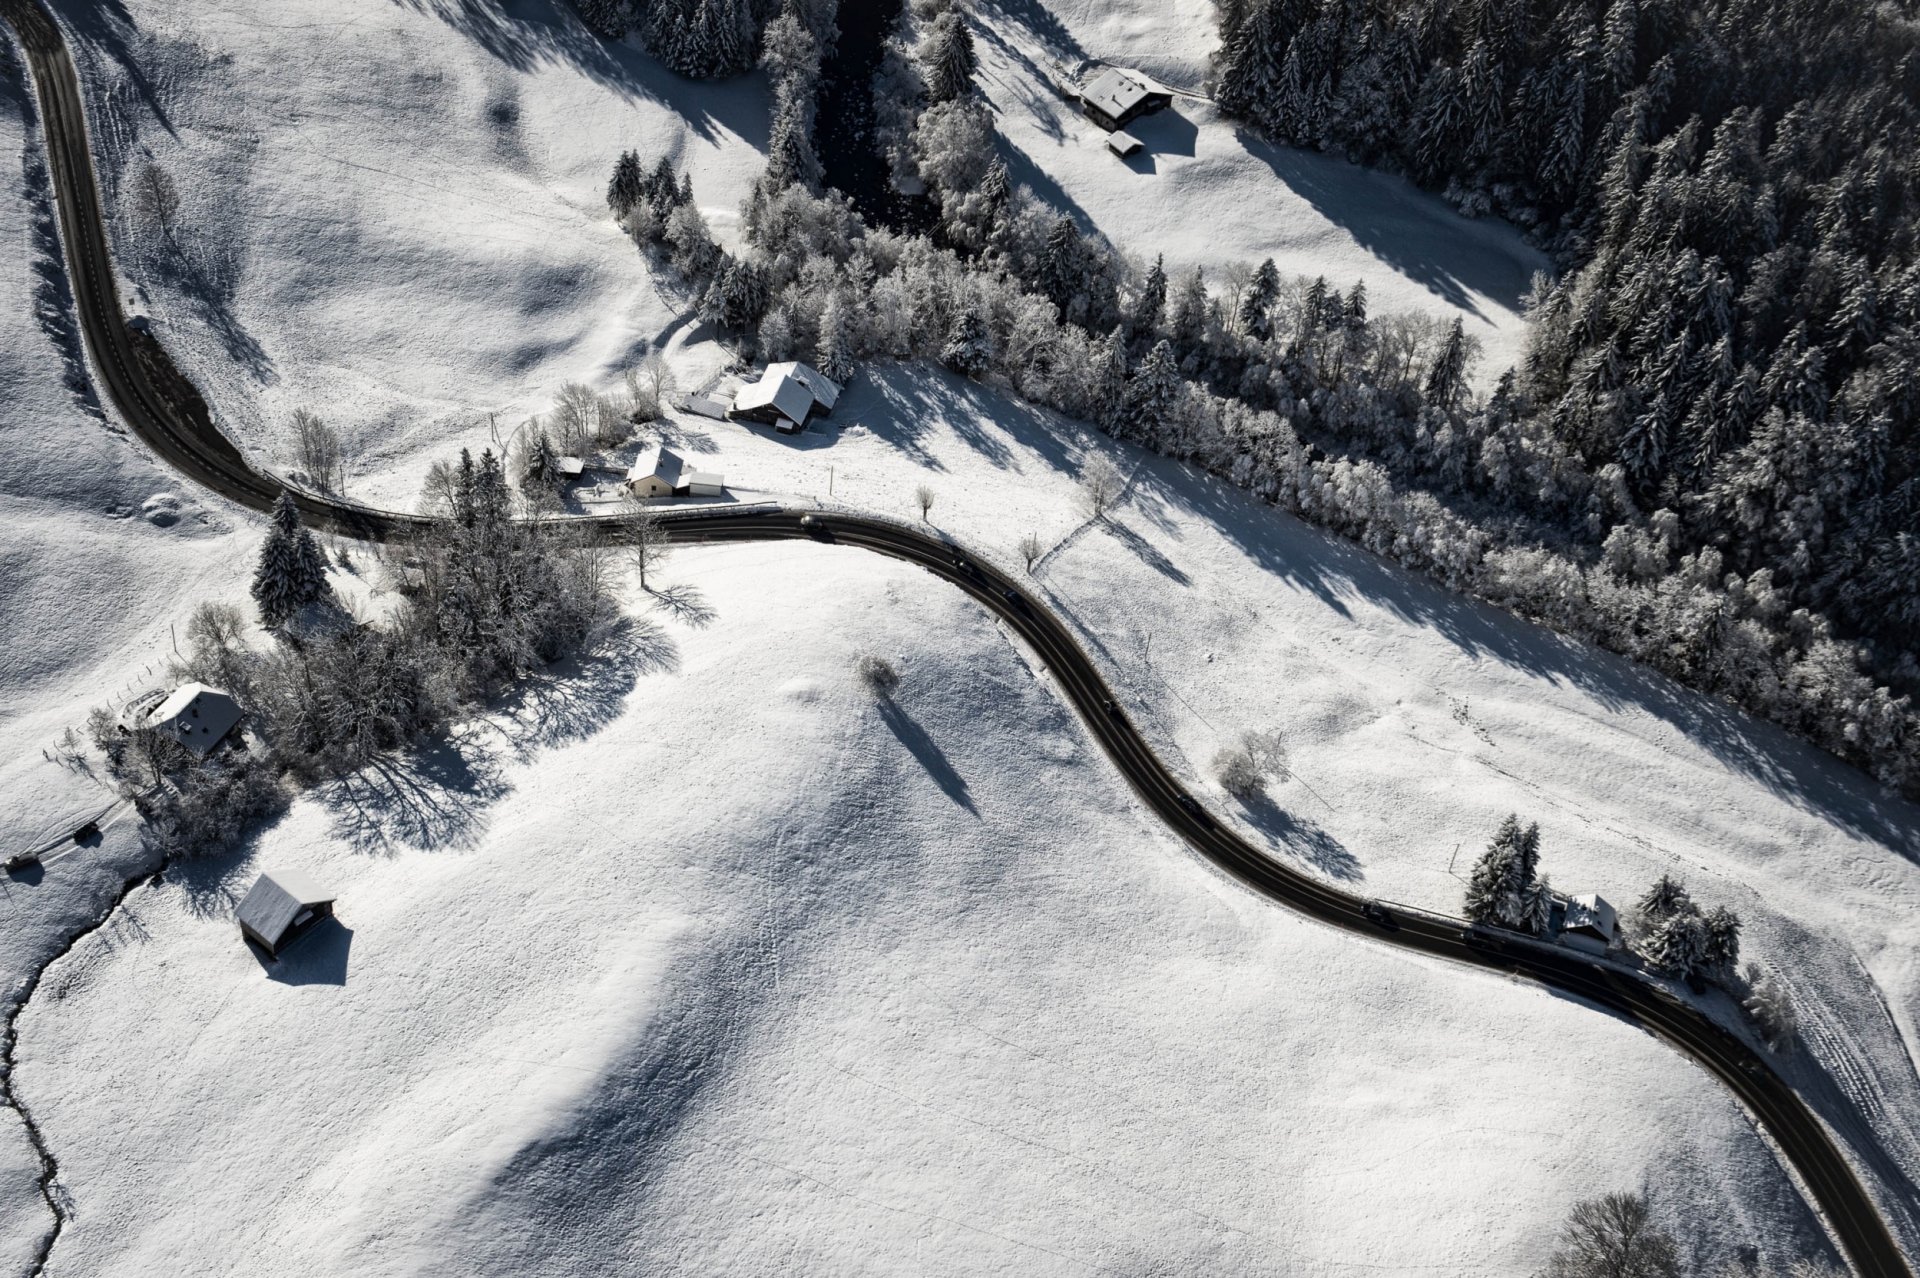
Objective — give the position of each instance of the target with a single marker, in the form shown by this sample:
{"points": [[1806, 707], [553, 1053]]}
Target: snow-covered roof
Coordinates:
{"points": [[1590, 912], [570, 465], [703, 478], [196, 716], [825, 390], [658, 463], [1122, 143], [275, 901], [1115, 93], [785, 393]]}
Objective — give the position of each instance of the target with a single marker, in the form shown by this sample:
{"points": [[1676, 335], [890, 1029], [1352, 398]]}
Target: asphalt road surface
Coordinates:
{"points": [[170, 416]]}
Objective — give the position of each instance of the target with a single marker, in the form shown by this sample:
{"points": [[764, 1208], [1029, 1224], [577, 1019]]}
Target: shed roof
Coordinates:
{"points": [[275, 901], [1114, 92], [659, 463], [1590, 912], [196, 716], [1122, 143]]}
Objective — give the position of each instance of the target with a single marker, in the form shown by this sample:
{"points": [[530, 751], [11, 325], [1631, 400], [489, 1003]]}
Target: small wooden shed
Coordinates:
{"points": [[281, 907]]}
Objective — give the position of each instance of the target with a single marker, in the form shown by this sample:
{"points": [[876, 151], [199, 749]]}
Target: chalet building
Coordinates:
{"points": [[1588, 922], [196, 716], [281, 907], [1117, 98], [661, 472], [785, 397]]}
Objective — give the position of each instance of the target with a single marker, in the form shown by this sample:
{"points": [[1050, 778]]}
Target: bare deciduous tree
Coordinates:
{"points": [[649, 385], [1100, 484], [154, 198], [438, 489], [317, 451], [878, 674], [1613, 1236], [1234, 769], [646, 537], [923, 496], [1030, 549]]}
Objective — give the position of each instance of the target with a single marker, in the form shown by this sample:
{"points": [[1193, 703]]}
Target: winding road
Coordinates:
{"points": [[165, 410]]}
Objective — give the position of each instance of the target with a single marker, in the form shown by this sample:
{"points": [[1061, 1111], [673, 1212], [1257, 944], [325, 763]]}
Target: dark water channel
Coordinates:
{"points": [[849, 154]]}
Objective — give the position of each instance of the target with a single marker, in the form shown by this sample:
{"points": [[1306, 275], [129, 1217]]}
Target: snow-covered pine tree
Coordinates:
{"points": [[608, 19], [1189, 322], [1062, 263], [292, 572], [624, 190], [969, 348], [1723, 941], [1154, 394], [1491, 883], [1666, 898], [790, 155], [1678, 946], [1256, 302], [1150, 306], [837, 339], [948, 59], [1447, 376], [1250, 75], [1110, 382]]}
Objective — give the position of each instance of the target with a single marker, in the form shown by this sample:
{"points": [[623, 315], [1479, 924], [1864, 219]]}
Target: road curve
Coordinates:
{"points": [[166, 411]]}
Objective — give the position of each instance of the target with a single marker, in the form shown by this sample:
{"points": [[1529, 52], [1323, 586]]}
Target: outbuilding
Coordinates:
{"points": [[1590, 923], [281, 907], [785, 396], [661, 472], [1122, 143], [1117, 98], [196, 716]]}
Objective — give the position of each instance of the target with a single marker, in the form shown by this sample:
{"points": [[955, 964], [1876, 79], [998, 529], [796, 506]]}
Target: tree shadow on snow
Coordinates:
{"points": [[526, 35], [578, 696], [1146, 552], [685, 603], [432, 799], [928, 752], [1303, 837]]}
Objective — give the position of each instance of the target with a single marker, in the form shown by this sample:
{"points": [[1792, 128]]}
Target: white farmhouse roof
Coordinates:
{"points": [[1114, 93], [658, 463], [196, 716], [826, 391], [276, 900], [1592, 915], [784, 392]]}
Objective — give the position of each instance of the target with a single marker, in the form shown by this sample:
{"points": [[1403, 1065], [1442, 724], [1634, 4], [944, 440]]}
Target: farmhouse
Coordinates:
{"points": [[661, 472], [1117, 98], [785, 397], [196, 716], [1590, 923], [280, 907]]}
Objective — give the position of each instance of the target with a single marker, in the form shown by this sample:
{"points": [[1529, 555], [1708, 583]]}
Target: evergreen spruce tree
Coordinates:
{"points": [[1662, 901], [1149, 308], [1189, 324], [1256, 303], [292, 571], [969, 348], [1110, 382], [1723, 941], [624, 190], [790, 155], [1062, 264], [607, 19], [1250, 75], [837, 339], [1679, 945], [1153, 396], [949, 59], [1447, 377]]}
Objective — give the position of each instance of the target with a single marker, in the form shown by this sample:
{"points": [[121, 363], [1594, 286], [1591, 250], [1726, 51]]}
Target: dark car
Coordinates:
{"points": [[1191, 806], [1018, 600], [1112, 708], [1380, 916]]}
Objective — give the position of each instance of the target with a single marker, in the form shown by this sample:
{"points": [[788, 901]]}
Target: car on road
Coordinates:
{"points": [[1191, 806], [1380, 916]]}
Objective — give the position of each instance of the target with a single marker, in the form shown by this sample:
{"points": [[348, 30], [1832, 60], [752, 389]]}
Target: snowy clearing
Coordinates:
{"points": [[762, 974]]}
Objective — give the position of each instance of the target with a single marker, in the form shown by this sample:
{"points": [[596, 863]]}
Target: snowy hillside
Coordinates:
{"points": [[1207, 192], [765, 977]]}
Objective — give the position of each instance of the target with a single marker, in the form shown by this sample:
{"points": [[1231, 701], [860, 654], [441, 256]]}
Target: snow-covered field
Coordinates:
{"points": [[762, 977], [1205, 192]]}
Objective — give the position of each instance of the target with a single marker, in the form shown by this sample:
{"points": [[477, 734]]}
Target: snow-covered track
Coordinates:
{"points": [[170, 415]]}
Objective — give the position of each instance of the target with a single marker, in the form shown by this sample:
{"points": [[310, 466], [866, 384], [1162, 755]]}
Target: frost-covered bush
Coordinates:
{"points": [[877, 674]]}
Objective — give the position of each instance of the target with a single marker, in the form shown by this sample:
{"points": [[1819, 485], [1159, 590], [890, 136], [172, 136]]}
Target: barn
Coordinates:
{"points": [[281, 907], [785, 396], [1117, 98]]}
